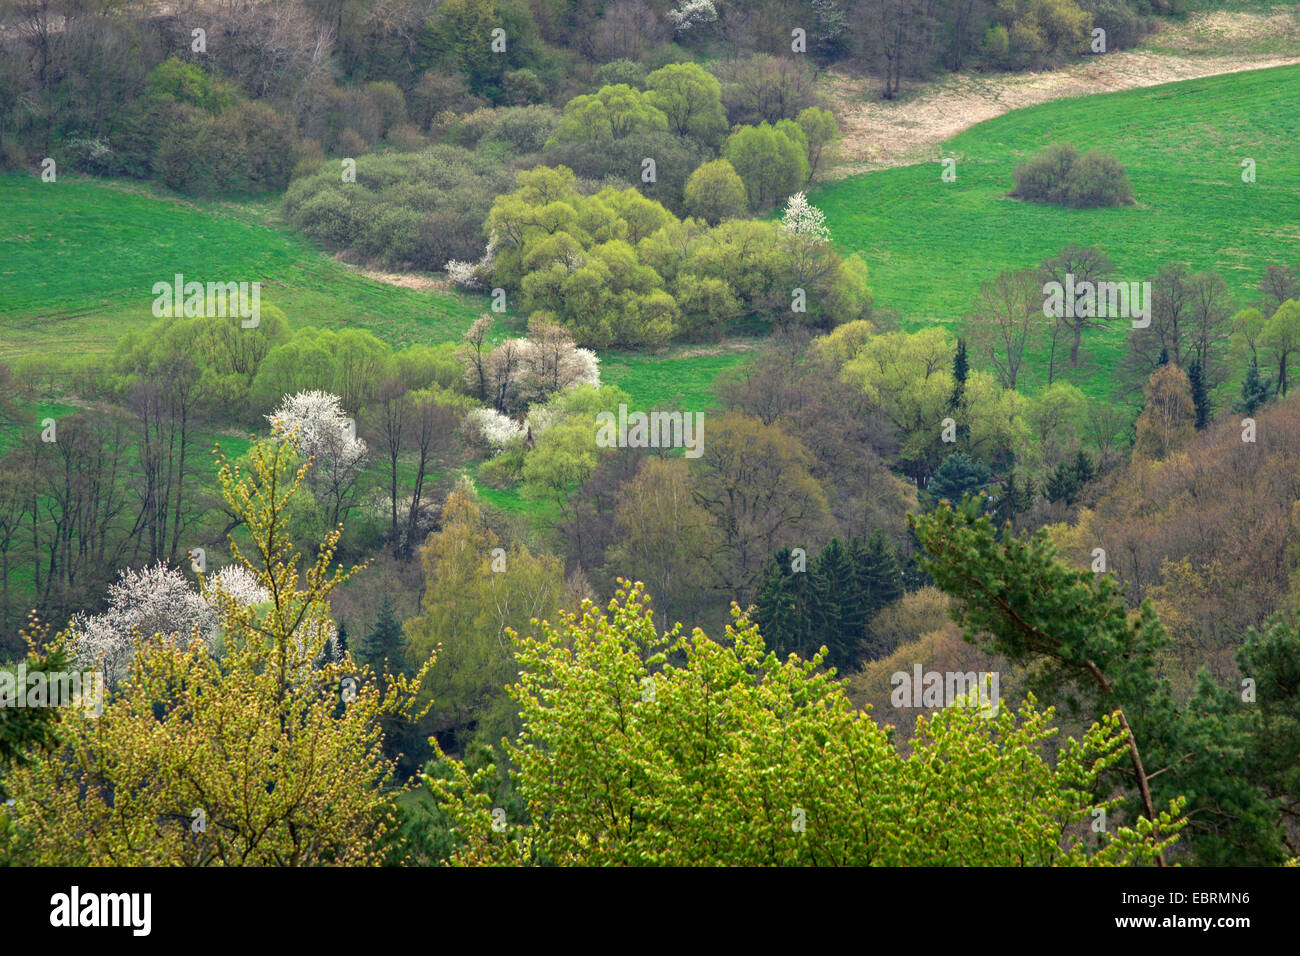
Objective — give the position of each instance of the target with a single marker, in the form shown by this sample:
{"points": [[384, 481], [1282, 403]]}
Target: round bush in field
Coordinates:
{"points": [[1062, 176]]}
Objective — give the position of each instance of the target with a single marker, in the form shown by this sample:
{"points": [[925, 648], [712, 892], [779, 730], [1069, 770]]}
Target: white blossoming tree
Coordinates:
{"points": [[159, 600], [471, 275], [522, 372], [314, 423], [550, 363], [801, 218], [693, 13], [492, 428], [148, 601], [240, 583]]}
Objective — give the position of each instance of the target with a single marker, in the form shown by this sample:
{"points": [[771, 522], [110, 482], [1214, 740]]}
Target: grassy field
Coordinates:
{"points": [[1229, 28], [676, 381], [78, 260], [930, 244]]}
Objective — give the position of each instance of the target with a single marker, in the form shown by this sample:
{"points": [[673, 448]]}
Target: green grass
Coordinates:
{"points": [[930, 244], [540, 514], [684, 383], [78, 260], [38, 412]]}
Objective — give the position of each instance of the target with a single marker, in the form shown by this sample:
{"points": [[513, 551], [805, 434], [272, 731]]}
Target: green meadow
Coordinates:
{"points": [[79, 257], [930, 244]]}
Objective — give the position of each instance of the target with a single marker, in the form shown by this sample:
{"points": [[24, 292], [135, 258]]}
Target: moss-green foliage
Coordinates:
{"points": [[407, 210]]}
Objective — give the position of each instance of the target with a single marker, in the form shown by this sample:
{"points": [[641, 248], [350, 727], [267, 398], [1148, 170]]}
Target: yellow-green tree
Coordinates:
{"points": [[715, 192], [645, 748], [772, 160], [475, 590], [612, 112], [1282, 335], [264, 757], [664, 537], [757, 484], [690, 97]]}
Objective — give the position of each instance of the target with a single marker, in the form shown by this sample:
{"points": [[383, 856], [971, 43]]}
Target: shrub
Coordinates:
{"points": [[438, 92], [405, 209], [1124, 28], [522, 87], [187, 83], [524, 129], [675, 157], [1098, 179], [351, 144], [406, 138], [627, 72], [13, 155], [1036, 33], [1060, 175], [388, 104], [466, 129]]}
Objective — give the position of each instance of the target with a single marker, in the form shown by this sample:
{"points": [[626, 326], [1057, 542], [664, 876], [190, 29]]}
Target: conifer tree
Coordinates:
{"points": [[878, 575], [1083, 467], [838, 612], [384, 648], [782, 607], [957, 476], [960, 369], [1196, 377], [1072, 628], [1016, 497], [1254, 391]]}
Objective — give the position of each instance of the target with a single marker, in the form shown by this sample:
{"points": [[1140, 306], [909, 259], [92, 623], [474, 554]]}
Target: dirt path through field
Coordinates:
{"points": [[879, 134]]}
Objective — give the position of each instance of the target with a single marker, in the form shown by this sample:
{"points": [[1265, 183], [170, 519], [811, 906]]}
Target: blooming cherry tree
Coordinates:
{"points": [[804, 219], [240, 583], [151, 600], [470, 275], [692, 13], [493, 428], [315, 424]]}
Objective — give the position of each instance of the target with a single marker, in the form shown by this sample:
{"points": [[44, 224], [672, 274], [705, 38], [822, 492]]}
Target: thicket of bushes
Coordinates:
{"points": [[1064, 177], [347, 78], [615, 268], [194, 132], [422, 209], [405, 209]]}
